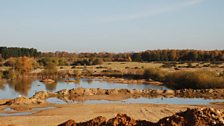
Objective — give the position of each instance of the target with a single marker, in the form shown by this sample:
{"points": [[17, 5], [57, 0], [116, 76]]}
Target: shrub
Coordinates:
{"points": [[169, 64], [155, 74], [12, 74], [83, 62], [136, 68], [111, 72], [10, 62], [196, 80], [1, 75], [77, 73], [97, 61], [50, 69], [189, 65], [87, 72], [100, 67]]}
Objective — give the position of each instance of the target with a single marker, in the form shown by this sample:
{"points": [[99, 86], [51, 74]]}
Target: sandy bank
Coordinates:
{"points": [[84, 112]]}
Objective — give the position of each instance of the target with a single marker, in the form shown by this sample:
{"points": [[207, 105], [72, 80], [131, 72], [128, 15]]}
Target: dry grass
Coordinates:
{"points": [[123, 67], [195, 79], [136, 67]]}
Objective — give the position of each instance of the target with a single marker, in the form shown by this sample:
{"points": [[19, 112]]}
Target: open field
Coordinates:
{"points": [[140, 66]]}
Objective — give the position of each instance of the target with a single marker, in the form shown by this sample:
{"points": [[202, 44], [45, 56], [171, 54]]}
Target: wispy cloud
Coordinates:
{"points": [[151, 12]]}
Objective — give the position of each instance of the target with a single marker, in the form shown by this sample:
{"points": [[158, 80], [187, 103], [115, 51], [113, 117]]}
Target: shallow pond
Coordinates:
{"points": [[175, 100], [29, 87]]}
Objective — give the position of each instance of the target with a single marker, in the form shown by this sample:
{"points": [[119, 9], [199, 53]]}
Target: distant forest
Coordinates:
{"points": [[145, 56], [7, 52]]}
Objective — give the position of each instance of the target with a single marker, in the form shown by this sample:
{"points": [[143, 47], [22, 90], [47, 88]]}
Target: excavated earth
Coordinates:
{"points": [[190, 117], [115, 94]]}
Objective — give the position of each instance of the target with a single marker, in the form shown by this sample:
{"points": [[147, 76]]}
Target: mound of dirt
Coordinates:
{"points": [[121, 120], [68, 123], [98, 121], [24, 101], [195, 117], [190, 117]]}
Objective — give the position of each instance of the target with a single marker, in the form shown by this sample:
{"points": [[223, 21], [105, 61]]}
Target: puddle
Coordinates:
{"points": [[11, 112], [175, 100], [16, 114]]}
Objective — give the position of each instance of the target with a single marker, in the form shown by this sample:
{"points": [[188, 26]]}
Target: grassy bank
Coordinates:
{"points": [[196, 79], [174, 74]]}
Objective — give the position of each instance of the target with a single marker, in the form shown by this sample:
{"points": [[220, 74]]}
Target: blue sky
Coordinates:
{"points": [[112, 25]]}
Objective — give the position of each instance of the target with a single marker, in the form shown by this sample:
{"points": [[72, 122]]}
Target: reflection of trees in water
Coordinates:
{"points": [[77, 81], [22, 86], [2, 85], [51, 87], [89, 81]]}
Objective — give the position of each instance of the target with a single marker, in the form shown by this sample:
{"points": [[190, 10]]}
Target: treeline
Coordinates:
{"points": [[145, 56], [179, 55], [7, 52], [149, 55]]}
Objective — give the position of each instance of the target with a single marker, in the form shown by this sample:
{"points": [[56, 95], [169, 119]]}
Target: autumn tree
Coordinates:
{"points": [[24, 65], [50, 66]]}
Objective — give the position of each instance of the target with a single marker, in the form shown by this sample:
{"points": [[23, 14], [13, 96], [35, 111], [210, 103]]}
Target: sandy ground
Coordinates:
{"points": [[84, 112]]}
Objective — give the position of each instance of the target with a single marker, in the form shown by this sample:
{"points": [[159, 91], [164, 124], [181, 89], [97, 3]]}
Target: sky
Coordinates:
{"points": [[112, 25]]}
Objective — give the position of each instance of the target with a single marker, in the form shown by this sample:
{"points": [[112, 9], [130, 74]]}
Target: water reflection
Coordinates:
{"points": [[22, 86], [51, 87], [88, 80], [28, 86], [2, 85], [77, 81]]}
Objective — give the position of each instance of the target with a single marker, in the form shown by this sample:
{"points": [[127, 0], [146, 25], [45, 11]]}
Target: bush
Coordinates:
{"points": [[155, 74], [11, 74], [87, 72], [111, 72], [196, 80], [77, 73], [169, 64], [189, 65], [84, 62], [50, 69], [1, 75]]}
